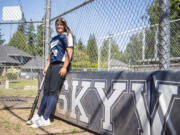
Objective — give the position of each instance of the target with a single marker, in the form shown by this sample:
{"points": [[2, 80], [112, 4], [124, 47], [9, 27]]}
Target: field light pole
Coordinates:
{"points": [[47, 29]]}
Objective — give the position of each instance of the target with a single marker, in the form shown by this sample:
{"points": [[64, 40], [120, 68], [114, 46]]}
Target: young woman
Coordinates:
{"points": [[55, 70]]}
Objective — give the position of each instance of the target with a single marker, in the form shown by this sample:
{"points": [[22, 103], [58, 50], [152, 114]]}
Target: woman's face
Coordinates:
{"points": [[59, 27]]}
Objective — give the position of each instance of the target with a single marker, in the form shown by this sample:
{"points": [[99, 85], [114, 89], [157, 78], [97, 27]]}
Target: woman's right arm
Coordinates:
{"points": [[47, 65]]}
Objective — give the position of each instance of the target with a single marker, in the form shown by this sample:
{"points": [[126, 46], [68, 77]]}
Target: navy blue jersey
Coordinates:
{"points": [[59, 44]]}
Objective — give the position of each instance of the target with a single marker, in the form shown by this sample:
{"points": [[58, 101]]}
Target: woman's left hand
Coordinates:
{"points": [[63, 72]]}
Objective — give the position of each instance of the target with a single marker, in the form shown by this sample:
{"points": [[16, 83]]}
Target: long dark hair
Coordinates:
{"points": [[66, 28]]}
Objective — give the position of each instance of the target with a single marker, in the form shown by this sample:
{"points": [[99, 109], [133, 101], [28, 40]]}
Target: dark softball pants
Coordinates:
{"points": [[53, 81]]}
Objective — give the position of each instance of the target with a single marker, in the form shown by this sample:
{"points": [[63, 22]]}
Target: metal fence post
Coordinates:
{"points": [[143, 44], [156, 42], [109, 53], [47, 30], [99, 56], [164, 34]]}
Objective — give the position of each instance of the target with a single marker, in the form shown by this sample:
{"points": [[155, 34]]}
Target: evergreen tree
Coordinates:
{"points": [[104, 50], [40, 35], [31, 39], [150, 37], [115, 53], [92, 49], [19, 41], [22, 26], [80, 45], [81, 59], [133, 51]]}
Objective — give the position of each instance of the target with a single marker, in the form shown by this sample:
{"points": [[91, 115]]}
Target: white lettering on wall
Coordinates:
{"points": [[138, 88], [166, 93], [108, 102], [64, 109], [63, 97], [76, 100]]}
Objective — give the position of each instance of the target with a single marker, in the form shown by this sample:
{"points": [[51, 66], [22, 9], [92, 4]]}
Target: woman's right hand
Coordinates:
{"points": [[44, 71]]}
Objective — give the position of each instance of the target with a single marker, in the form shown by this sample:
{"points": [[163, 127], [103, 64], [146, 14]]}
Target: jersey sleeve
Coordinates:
{"points": [[70, 40]]}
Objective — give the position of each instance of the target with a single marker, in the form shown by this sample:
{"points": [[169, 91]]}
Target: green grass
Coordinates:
{"points": [[16, 88], [22, 83], [13, 92]]}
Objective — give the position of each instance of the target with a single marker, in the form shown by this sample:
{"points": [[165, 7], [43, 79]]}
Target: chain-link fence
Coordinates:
{"points": [[21, 57], [109, 35], [124, 35]]}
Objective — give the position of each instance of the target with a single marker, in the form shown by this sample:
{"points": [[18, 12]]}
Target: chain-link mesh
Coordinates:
{"points": [[21, 55], [109, 35], [124, 35]]}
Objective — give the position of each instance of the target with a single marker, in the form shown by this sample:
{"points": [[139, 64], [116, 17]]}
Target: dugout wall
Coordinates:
{"points": [[122, 103]]}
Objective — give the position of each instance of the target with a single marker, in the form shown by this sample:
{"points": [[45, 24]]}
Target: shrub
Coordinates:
{"points": [[12, 73]]}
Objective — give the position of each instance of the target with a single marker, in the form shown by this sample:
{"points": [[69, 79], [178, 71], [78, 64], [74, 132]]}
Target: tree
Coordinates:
{"points": [[19, 41], [80, 45], [104, 51], [75, 40], [175, 8], [92, 50], [115, 50], [22, 26], [150, 37], [81, 59], [115, 53], [153, 13], [40, 35], [31, 39], [133, 50]]}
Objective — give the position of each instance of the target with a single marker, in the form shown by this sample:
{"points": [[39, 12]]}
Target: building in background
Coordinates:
{"points": [[13, 57]]}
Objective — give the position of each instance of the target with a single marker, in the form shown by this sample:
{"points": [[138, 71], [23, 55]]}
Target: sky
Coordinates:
{"points": [[34, 10], [29, 8], [101, 17]]}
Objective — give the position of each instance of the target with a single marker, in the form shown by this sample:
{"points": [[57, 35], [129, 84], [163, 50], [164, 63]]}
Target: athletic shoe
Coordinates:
{"points": [[41, 123], [33, 119]]}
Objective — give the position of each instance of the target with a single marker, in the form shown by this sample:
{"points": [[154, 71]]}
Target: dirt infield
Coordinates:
{"points": [[13, 116]]}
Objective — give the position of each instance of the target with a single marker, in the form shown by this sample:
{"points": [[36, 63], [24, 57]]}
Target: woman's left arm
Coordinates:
{"points": [[63, 70]]}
